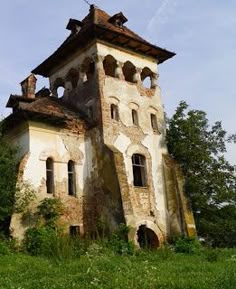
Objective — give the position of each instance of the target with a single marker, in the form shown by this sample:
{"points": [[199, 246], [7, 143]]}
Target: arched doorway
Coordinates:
{"points": [[147, 239]]}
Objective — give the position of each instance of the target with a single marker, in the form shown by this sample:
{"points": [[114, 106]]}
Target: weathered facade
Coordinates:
{"points": [[100, 145]]}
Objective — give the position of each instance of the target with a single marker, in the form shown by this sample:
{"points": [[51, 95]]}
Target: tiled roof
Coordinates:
{"points": [[51, 110], [97, 25]]}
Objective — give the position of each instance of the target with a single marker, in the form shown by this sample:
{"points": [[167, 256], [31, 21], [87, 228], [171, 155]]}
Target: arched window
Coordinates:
{"points": [[73, 77], [71, 178], [129, 71], [49, 176], [88, 69], [154, 122], [139, 170], [59, 87], [135, 117], [114, 112], [146, 77], [109, 65]]}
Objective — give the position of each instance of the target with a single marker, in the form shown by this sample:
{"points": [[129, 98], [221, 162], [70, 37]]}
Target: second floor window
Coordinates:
{"points": [[154, 122], [135, 117], [139, 170], [71, 178], [114, 112]]}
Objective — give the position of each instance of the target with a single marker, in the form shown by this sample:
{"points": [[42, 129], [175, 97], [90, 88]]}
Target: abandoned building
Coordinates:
{"points": [[96, 138]]}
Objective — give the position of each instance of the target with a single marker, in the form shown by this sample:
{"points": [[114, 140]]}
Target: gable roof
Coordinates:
{"points": [[99, 25]]}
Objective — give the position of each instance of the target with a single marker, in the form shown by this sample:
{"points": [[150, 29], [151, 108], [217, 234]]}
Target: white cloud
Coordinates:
{"points": [[162, 15]]}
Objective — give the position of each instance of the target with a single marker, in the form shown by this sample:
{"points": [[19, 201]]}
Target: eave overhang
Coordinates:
{"points": [[99, 32]]}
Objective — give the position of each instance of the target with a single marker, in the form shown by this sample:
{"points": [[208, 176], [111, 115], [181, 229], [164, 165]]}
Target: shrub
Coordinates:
{"points": [[39, 241], [120, 246], [188, 245], [4, 250], [119, 243], [48, 242]]}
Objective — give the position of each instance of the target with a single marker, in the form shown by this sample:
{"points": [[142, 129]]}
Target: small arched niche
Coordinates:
{"points": [[109, 65], [59, 87], [73, 77], [129, 71], [146, 77], [147, 238]]}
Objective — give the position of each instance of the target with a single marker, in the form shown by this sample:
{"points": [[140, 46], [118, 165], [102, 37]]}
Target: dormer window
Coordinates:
{"points": [[74, 26], [118, 19]]}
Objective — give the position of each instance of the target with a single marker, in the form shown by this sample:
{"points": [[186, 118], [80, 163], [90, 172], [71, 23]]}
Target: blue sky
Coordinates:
{"points": [[202, 33]]}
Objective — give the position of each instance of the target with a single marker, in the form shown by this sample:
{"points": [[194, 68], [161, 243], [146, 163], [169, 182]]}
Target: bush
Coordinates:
{"points": [[120, 246], [48, 242], [39, 241], [119, 243], [187, 245], [4, 250]]}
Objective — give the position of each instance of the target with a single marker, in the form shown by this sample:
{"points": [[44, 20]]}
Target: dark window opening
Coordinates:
{"points": [[88, 68], [154, 122], [49, 176], [71, 178], [147, 239], [114, 112], [129, 71], [74, 231], [139, 170], [73, 77], [109, 65], [135, 117]]}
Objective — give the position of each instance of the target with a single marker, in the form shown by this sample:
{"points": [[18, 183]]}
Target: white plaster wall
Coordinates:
{"points": [[46, 141], [20, 138]]}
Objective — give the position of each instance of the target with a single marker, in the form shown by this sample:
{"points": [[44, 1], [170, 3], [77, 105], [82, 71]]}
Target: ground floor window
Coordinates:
{"points": [[74, 231]]}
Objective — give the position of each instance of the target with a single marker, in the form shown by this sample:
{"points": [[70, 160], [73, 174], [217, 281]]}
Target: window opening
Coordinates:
{"points": [[71, 178], [147, 239], [114, 112], [154, 122], [109, 65], [146, 77], [60, 91], [135, 117], [88, 69], [49, 176], [73, 77], [74, 231], [139, 170], [129, 71]]}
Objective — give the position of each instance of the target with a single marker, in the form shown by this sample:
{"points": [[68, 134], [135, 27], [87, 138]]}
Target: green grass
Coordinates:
{"points": [[154, 270]]}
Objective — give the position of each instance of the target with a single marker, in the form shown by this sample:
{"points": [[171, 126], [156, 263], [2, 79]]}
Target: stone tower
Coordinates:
{"points": [[108, 76]]}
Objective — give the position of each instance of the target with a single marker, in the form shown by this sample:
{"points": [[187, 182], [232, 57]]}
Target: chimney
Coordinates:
{"points": [[28, 86]]}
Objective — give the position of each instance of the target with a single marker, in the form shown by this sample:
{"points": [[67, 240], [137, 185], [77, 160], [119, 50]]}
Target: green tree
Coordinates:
{"points": [[8, 177], [210, 180]]}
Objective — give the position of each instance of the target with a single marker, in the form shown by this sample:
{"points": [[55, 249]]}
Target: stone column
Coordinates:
{"points": [[154, 79], [137, 75], [119, 71]]}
